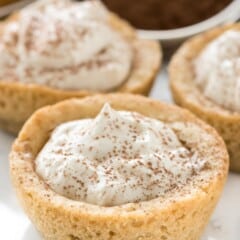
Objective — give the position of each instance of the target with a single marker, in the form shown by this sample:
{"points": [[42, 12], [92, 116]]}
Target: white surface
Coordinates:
{"points": [[224, 225]]}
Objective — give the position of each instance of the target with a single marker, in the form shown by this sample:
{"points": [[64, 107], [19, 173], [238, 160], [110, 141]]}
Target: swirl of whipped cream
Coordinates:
{"points": [[119, 157], [65, 45], [217, 70]]}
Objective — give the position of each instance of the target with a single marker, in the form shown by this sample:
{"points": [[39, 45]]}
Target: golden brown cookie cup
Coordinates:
{"points": [[18, 101], [172, 217], [186, 93]]}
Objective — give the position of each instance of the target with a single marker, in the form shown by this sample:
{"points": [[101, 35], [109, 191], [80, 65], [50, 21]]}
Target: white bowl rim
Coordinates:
{"points": [[229, 14]]}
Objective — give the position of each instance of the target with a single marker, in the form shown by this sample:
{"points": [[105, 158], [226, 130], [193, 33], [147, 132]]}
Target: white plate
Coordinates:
{"points": [[224, 225]]}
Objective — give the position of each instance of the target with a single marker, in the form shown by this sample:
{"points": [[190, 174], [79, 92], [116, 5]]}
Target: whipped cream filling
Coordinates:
{"points": [[217, 70], [117, 158], [65, 44]]}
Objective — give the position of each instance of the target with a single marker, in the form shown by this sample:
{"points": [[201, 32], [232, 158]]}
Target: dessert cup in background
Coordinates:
{"points": [[204, 78], [158, 177], [54, 50]]}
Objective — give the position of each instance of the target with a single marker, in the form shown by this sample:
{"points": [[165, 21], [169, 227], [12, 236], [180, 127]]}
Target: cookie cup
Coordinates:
{"points": [[187, 94], [18, 100], [180, 214]]}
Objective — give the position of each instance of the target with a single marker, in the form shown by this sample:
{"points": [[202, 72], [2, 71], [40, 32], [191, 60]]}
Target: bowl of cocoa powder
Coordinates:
{"points": [[172, 21]]}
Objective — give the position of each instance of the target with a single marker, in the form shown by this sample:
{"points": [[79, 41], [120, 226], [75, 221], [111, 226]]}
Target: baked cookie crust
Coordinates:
{"points": [[178, 215], [18, 101], [186, 93]]}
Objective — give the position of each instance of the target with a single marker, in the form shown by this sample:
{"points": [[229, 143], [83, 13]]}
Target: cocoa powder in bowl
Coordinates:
{"points": [[5, 2], [165, 14]]}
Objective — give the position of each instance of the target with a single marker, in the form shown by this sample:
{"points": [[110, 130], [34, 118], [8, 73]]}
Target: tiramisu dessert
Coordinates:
{"points": [[57, 49], [118, 167], [204, 77]]}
